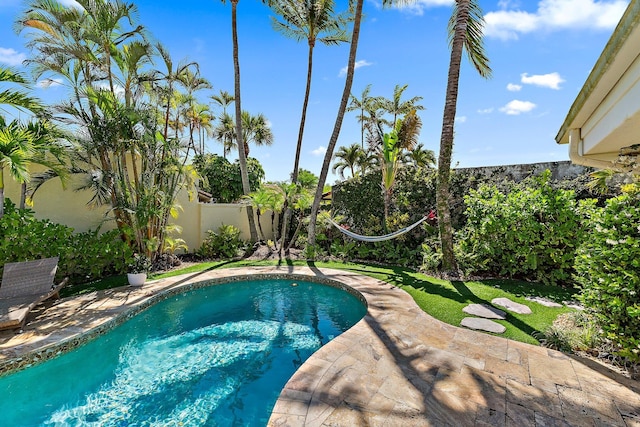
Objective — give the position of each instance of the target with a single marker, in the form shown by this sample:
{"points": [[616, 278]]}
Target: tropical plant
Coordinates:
{"points": [[355, 35], [222, 178], [16, 148], [465, 33], [396, 107], [361, 104], [607, 265], [121, 116], [313, 21], [242, 158], [223, 243], [348, 158]]}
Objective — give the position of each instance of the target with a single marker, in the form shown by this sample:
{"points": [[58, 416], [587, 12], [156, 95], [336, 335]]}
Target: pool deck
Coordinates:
{"points": [[398, 366]]}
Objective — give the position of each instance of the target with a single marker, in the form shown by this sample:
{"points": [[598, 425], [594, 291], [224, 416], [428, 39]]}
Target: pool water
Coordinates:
{"points": [[215, 356]]}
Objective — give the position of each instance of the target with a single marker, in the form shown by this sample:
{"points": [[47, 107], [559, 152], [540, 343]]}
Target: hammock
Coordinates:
{"points": [[377, 238]]}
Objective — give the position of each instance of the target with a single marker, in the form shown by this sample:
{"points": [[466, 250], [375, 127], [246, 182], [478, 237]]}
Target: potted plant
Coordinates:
{"points": [[138, 269]]}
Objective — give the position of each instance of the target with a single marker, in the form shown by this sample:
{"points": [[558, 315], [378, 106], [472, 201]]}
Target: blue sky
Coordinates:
{"points": [[541, 52]]}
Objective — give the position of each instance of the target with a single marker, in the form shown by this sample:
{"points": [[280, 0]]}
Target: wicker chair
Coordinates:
{"points": [[24, 285]]}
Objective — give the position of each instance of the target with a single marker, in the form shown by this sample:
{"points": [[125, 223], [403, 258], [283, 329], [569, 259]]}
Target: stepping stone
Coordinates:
{"points": [[483, 325], [544, 301], [511, 305], [486, 311]]}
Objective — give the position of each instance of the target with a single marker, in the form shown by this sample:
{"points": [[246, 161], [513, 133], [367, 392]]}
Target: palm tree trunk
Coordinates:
{"points": [[1, 190], [241, 153], [446, 140], [294, 176], [23, 195], [338, 124]]}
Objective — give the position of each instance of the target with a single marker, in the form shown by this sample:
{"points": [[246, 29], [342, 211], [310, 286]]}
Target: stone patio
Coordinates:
{"points": [[398, 366]]}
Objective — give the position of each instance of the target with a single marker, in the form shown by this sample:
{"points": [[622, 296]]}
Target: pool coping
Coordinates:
{"points": [[397, 366]]}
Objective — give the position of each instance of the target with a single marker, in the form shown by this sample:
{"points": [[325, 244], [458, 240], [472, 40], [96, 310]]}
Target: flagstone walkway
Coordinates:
{"points": [[398, 366]]}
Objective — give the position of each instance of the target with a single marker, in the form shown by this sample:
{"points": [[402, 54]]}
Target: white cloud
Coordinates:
{"points": [[319, 151], [418, 7], [517, 107], [554, 15], [513, 87], [461, 119], [358, 64], [551, 80], [47, 83], [486, 110], [11, 57]]}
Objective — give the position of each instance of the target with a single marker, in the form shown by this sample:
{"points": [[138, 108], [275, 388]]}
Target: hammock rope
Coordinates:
{"points": [[377, 238]]}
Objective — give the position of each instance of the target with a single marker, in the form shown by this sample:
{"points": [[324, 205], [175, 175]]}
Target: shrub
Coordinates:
{"points": [[223, 177], [224, 243], [531, 232], [608, 271], [83, 256]]}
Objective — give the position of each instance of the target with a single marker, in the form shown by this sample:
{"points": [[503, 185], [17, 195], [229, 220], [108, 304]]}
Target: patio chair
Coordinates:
{"points": [[25, 285]]}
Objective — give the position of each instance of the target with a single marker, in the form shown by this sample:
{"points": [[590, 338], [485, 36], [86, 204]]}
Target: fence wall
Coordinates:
{"points": [[70, 207]]}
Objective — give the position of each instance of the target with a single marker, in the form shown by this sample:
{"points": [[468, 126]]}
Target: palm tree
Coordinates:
{"points": [[16, 98], [242, 159], [348, 158], [49, 151], [363, 104], [402, 138], [255, 129], [420, 157], [16, 147], [310, 20], [395, 106], [465, 33], [225, 133], [355, 34], [223, 99]]}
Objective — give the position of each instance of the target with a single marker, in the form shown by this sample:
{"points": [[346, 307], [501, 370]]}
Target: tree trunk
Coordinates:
{"points": [[446, 140], [23, 195], [246, 189], [338, 124], [1, 190], [294, 176]]}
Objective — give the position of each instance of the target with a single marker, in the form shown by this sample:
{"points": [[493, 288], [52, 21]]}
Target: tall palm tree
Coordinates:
{"points": [[348, 158], [313, 21], [355, 35], [242, 158], [363, 104], [465, 33]]}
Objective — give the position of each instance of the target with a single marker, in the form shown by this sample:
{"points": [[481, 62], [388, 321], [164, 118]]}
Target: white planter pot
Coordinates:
{"points": [[136, 279]]}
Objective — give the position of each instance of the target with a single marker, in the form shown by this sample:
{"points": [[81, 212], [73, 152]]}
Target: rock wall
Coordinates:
{"points": [[559, 170]]}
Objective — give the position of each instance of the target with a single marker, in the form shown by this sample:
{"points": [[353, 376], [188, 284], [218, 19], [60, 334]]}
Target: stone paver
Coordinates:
{"points": [[483, 325], [513, 306], [398, 366], [486, 311], [544, 301]]}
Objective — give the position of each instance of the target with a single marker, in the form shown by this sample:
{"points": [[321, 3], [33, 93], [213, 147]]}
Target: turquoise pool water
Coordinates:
{"points": [[216, 356]]}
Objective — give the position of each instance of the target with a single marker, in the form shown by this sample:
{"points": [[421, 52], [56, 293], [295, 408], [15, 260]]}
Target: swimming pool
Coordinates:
{"points": [[217, 355]]}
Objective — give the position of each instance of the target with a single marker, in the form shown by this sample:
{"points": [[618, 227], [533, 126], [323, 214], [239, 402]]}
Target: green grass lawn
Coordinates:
{"points": [[442, 299]]}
